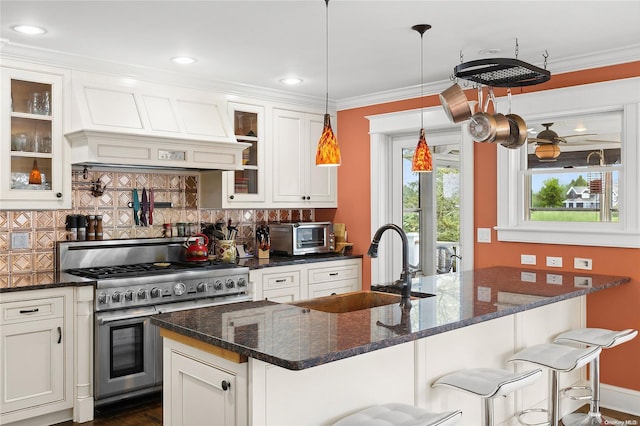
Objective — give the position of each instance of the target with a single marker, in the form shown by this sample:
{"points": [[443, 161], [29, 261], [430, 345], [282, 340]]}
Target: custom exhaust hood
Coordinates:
{"points": [[118, 122]]}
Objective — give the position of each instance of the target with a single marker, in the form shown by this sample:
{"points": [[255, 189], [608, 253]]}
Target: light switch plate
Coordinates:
{"points": [[19, 240], [484, 235]]}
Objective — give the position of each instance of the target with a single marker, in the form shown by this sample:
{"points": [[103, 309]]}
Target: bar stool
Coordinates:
{"points": [[556, 358], [488, 383], [602, 338], [395, 414]]}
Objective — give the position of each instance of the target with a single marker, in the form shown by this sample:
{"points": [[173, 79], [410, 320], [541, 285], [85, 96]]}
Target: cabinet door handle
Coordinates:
{"points": [[225, 385], [59, 335], [29, 311]]}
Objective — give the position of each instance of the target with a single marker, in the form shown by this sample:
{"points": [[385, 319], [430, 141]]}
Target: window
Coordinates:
{"points": [[587, 194]]}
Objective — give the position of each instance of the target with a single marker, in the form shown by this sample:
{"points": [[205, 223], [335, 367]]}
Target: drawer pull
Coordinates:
{"points": [[281, 280], [29, 311], [59, 335], [333, 274]]}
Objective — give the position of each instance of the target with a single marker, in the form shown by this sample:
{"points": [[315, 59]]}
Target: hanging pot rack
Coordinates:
{"points": [[501, 72]]}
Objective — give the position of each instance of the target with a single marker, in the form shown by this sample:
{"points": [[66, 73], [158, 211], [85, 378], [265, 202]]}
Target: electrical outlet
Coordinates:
{"points": [[529, 277], [582, 281], [19, 240], [484, 294], [582, 263], [554, 262], [527, 259], [554, 279]]}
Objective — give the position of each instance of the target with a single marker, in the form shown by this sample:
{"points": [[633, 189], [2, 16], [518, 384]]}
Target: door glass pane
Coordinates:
{"points": [[447, 217], [127, 350], [246, 131], [411, 208]]}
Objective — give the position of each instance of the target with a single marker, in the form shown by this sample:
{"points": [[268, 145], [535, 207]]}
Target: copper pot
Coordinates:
{"points": [[455, 104], [502, 129], [517, 134]]}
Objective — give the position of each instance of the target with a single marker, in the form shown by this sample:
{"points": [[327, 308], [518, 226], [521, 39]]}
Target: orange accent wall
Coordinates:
{"points": [[616, 308]]}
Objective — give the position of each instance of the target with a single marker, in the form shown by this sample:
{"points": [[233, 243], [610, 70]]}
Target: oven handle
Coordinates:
{"points": [[106, 318]]}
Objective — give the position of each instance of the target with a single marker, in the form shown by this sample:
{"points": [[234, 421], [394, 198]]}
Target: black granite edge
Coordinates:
{"points": [[255, 263], [46, 286]]}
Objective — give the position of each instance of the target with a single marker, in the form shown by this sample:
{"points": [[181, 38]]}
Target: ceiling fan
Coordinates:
{"points": [[547, 141]]}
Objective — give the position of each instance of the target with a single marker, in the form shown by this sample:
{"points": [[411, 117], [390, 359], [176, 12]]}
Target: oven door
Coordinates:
{"points": [[125, 351]]}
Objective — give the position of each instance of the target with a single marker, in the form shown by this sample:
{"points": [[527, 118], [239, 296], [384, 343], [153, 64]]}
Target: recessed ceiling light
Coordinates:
{"points": [[291, 80], [183, 60], [490, 51], [580, 129], [28, 29]]}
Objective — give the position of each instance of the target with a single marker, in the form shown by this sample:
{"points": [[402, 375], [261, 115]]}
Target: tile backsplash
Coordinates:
{"points": [[36, 264]]}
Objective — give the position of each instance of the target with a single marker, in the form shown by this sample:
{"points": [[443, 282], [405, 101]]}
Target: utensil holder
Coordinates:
{"points": [[226, 250]]}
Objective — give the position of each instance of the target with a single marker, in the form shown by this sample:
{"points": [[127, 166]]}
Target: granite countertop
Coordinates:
{"points": [[296, 337], [48, 280]]}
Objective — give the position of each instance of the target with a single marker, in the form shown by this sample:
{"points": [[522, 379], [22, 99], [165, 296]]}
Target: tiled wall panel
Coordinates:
{"points": [[36, 264]]}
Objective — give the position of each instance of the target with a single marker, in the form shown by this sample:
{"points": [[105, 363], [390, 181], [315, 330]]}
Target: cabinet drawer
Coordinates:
{"points": [[319, 275], [280, 280], [31, 310], [333, 287]]}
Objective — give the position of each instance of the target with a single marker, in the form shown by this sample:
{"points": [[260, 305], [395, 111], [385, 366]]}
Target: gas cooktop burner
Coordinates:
{"points": [[145, 269]]}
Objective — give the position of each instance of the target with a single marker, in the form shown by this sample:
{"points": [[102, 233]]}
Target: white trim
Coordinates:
{"points": [[607, 96], [381, 129], [620, 399]]}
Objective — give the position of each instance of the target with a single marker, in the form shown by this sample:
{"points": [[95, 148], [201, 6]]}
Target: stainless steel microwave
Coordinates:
{"points": [[302, 238]]}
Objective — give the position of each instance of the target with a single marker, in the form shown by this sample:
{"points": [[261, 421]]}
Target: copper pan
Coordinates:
{"points": [[455, 104], [518, 133]]}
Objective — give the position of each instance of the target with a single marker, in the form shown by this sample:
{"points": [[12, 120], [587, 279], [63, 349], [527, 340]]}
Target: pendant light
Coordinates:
{"points": [[422, 160], [328, 152]]}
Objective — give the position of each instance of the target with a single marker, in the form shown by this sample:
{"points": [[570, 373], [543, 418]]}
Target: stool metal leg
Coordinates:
{"points": [[593, 417], [554, 393], [487, 412]]}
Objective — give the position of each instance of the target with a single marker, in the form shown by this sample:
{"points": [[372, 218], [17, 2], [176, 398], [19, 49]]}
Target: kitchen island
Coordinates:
{"points": [[271, 363]]}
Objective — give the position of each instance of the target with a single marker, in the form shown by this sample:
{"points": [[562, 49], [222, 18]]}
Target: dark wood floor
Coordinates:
{"points": [[148, 412]]}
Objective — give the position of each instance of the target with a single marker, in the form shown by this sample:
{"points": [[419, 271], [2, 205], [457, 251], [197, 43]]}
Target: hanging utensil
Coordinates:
{"points": [[455, 104], [136, 206], [145, 207], [151, 206]]}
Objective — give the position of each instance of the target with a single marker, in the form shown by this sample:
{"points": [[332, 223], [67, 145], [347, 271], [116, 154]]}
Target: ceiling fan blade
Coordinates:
{"points": [[540, 141], [578, 135]]}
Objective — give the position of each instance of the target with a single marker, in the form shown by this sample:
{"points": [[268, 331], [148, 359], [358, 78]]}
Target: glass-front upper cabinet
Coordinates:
{"points": [[31, 167], [248, 185]]}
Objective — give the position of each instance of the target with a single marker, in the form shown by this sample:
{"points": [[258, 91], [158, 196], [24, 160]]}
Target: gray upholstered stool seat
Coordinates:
{"points": [[557, 358], [602, 338], [488, 383], [395, 414]]}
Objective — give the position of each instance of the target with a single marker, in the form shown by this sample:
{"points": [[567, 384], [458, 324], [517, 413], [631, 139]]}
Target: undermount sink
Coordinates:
{"points": [[349, 302]]}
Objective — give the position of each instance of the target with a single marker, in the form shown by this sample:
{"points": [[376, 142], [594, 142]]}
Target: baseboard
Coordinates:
{"points": [[620, 399]]}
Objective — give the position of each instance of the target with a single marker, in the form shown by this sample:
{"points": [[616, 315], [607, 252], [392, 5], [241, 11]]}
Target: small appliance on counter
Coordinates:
{"points": [[300, 238]]}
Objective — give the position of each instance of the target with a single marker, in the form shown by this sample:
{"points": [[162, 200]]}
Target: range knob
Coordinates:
{"points": [[230, 283], [242, 282], [201, 287], [128, 295], [217, 285], [155, 292], [102, 298], [179, 289], [142, 293], [116, 296]]}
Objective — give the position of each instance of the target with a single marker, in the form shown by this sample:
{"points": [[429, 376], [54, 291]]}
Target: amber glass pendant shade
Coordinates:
{"points": [[422, 160], [35, 178], [328, 153], [547, 152]]}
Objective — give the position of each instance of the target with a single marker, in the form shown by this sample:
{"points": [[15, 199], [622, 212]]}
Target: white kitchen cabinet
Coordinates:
{"points": [[37, 352], [289, 283], [296, 178], [34, 171], [240, 188], [201, 388]]}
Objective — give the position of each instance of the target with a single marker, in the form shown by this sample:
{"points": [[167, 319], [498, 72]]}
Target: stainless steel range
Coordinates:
{"points": [[135, 279]]}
